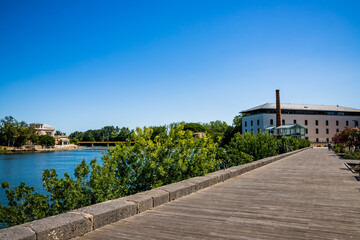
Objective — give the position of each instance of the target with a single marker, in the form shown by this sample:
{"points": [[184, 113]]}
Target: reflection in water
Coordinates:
{"points": [[28, 168]]}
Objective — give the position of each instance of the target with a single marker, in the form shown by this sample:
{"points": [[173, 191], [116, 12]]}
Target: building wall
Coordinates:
{"points": [[321, 136]]}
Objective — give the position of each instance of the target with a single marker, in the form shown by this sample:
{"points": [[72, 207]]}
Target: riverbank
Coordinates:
{"points": [[38, 148]]}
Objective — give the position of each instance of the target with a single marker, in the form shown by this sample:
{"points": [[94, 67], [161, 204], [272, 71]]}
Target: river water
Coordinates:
{"points": [[28, 168]]}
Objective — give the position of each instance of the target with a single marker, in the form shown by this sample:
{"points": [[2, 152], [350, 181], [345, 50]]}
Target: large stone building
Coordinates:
{"points": [[43, 129], [321, 122]]}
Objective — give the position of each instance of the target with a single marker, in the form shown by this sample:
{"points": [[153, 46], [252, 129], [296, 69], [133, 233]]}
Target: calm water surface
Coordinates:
{"points": [[28, 168]]}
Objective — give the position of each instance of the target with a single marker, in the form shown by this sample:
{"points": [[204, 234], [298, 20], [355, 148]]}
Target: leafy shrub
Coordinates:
{"points": [[339, 148], [127, 169], [352, 155]]}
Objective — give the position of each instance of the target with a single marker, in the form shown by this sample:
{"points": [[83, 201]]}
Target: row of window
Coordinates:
{"points": [[327, 131], [306, 122]]}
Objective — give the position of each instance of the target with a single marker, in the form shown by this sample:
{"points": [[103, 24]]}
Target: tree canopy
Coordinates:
{"points": [[14, 133]]}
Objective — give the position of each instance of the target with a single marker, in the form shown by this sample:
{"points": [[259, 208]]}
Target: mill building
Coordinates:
{"points": [[319, 122]]}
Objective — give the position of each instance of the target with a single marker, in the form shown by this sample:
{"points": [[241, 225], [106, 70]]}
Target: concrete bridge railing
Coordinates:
{"points": [[80, 221]]}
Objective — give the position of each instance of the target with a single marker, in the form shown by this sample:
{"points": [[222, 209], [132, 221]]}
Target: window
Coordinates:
{"points": [[327, 123], [316, 122], [337, 123], [306, 137], [317, 131], [356, 123], [306, 131], [251, 123], [327, 131], [305, 122], [258, 122], [283, 122], [271, 122], [294, 121], [327, 140], [347, 123], [245, 130], [258, 130], [337, 130], [317, 140]]}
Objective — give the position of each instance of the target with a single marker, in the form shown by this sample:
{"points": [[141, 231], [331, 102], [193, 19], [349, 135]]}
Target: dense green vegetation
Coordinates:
{"points": [[14, 133], [171, 154], [107, 133]]}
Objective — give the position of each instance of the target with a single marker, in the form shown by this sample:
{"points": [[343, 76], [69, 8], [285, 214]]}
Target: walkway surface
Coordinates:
{"points": [[310, 195]]}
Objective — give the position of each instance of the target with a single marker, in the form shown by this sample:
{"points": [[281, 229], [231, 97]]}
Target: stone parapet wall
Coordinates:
{"points": [[83, 220]]}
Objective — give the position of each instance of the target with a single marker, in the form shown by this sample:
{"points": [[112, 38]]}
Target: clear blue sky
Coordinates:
{"points": [[81, 65]]}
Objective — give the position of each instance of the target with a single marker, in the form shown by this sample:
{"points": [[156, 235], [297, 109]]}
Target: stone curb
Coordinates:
{"points": [[80, 221]]}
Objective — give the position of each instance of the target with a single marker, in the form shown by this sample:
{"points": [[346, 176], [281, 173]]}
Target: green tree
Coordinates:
{"points": [[194, 127], [59, 133], [232, 130], [46, 140], [14, 133], [216, 129], [74, 141]]}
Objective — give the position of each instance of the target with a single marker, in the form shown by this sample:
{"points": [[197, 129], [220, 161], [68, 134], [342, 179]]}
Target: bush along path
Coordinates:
{"points": [[129, 169]]}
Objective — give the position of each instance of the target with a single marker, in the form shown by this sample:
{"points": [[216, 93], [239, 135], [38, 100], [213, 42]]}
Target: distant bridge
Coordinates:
{"points": [[101, 143]]}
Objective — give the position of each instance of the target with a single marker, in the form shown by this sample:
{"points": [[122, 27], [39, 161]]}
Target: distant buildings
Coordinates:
{"points": [[321, 122], [43, 129], [61, 140]]}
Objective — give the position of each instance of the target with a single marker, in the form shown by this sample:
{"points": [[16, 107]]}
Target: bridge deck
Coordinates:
{"points": [[310, 195]]}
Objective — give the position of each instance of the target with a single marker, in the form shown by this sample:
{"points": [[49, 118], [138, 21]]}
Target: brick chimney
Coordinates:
{"points": [[278, 108]]}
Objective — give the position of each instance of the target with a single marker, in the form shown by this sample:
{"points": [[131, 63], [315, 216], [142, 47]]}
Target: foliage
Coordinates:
{"points": [[152, 160], [74, 141], [352, 155], [216, 129], [232, 130], [339, 148], [127, 169], [258, 147], [349, 137], [107, 133], [158, 130], [59, 133], [194, 127], [14, 133], [45, 140]]}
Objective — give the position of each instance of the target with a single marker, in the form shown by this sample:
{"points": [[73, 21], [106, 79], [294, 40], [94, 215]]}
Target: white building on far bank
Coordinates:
{"points": [[322, 122]]}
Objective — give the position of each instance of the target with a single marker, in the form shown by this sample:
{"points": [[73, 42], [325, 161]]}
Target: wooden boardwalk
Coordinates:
{"points": [[310, 195]]}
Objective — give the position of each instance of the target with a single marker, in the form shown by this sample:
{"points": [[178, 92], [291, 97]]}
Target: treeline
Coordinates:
{"points": [[16, 134], [171, 155], [107, 133], [219, 131]]}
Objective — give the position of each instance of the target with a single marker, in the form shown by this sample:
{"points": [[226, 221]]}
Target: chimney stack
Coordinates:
{"points": [[278, 108]]}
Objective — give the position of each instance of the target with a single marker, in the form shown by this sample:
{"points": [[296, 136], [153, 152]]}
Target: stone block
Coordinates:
{"points": [[237, 170], [109, 211], [143, 201], [159, 196], [216, 176], [17, 233], [203, 182], [179, 189], [62, 226]]}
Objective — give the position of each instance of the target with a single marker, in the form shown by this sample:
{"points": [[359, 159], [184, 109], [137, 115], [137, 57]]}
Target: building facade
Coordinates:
{"points": [[321, 122], [43, 129]]}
